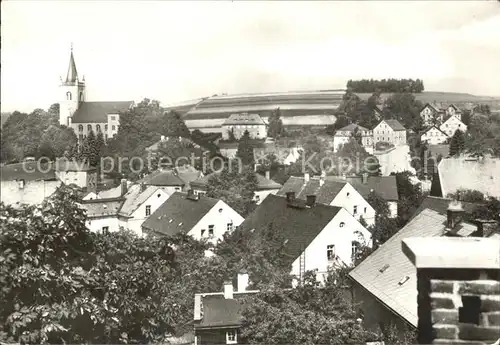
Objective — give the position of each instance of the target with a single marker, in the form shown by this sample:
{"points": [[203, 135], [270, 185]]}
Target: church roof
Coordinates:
{"points": [[72, 75], [97, 112]]}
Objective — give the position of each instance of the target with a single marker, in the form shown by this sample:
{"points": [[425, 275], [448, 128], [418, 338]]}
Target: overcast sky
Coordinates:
{"points": [[176, 51]]}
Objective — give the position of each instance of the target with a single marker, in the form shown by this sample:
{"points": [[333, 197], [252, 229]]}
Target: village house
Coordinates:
{"points": [[331, 192], [452, 110], [385, 285], [434, 136], [390, 131], [474, 173], [173, 180], [27, 183], [78, 173], [343, 135], [201, 217], [317, 237], [110, 193], [83, 116], [385, 186], [237, 124], [265, 186], [217, 315], [128, 210], [453, 124], [431, 115]]}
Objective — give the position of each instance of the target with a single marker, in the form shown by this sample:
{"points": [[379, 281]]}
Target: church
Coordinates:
{"points": [[83, 116]]}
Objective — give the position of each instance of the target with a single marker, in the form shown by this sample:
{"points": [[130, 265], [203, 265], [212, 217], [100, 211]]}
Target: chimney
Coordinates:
{"points": [[228, 289], [321, 180], [123, 183], [190, 195], [268, 174], [455, 214], [242, 281], [485, 228], [162, 138], [290, 196], [306, 177], [143, 186], [364, 178], [310, 200]]}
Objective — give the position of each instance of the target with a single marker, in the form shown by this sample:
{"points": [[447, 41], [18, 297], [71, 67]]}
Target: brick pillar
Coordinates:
{"points": [[458, 282]]}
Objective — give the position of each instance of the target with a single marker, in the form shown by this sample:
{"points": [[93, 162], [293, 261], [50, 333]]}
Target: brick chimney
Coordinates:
{"points": [[310, 200], [485, 227], [458, 283], [455, 214], [228, 289], [290, 197], [124, 187]]}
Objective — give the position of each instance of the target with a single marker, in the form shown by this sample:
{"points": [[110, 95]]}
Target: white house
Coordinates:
{"points": [[316, 236], [201, 217], [343, 135], [434, 136], [239, 123], [77, 173], [451, 125], [390, 131], [430, 114], [27, 183], [453, 110], [331, 192]]}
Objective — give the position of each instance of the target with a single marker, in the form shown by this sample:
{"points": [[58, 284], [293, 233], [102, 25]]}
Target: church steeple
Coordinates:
{"points": [[72, 75]]}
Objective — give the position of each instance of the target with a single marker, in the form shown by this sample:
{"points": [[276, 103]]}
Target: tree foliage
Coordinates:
{"points": [[457, 143], [483, 135], [245, 149], [386, 85], [404, 108], [173, 125], [275, 126], [410, 196]]}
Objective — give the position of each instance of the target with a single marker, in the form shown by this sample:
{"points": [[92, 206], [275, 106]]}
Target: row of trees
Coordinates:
{"points": [[386, 85]]}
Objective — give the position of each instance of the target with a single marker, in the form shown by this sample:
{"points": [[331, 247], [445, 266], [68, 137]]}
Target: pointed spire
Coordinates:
{"points": [[72, 75]]}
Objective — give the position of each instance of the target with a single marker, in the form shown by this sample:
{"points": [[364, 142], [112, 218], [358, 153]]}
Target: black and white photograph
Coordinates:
{"points": [[250, 172]]}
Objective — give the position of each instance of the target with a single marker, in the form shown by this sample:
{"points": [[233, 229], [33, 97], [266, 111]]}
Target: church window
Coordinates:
{"points": [[105, 128], [113, 127], [89, 128], [68, 96], [80, 128], [98, 128]]}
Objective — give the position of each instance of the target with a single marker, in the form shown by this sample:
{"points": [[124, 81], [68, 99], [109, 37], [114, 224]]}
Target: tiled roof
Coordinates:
{"points": [[298, 224], [27, 171], [244, 119], [135, 197], [395, 125], [114, 192], [352, 127], [188, 174], [102, 207], [178, 214], [385, 186], [98, 111], [435, 127], [262, 182], [165, 177], [324, 194], [72, 165], [383, 272], [468, 173]]}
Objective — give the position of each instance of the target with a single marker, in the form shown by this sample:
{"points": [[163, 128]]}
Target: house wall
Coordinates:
{"points": [[384, 133], [451, 125], [213, 336], [427, 115], [349, 197], [342, 138], [96, 224], [69, 104], [73, 177], [108, 128], [332, 234], [256, 131], [33, 192], [434, 137], [139, 215], [219, 219]]}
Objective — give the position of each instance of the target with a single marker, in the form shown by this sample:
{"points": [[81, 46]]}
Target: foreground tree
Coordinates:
{"points": [[173, 125], [275, 128], [245, 149], [457, 143]]}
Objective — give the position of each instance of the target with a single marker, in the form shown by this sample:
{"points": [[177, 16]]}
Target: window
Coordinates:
{"points": [[80, 128], [211, 231], [177, 189], [366, 209], [203, 232], [231, 337], [354, 249], [348, 193], [257, 198], [355, 210], [342, 224], [21, 184], [89, 128], [158, 195], [113, 118], [229, 227], [113, 127], [330, 252], [105, 228], [68, 96], [105, 136], [148, 210], [106, 128], [98, 128]]}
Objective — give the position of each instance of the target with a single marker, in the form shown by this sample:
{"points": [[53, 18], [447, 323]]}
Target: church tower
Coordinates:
{"points": [[72, 93]]}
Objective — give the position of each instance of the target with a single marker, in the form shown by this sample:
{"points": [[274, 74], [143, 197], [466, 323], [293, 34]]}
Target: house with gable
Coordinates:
{"points": [[390, 131], [237, 124], [344, 134], [434, 136], [430, 114], [338, 193], [170, 179], [452, 124], [199, 216], [317, 237], [452, 110], [83, 116], [385, 283]]}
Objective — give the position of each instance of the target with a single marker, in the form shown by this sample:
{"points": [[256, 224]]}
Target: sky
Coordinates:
{"points": [[176, 51]]}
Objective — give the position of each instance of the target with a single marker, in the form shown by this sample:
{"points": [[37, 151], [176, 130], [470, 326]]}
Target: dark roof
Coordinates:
{"points": [[298, 224], [395, 125], [178, 214], [324, 194], [72, 74], [163, 178], [352, 127], [98, 111], [244, 119], [27, 171], [440, 205], [99, 208], [385, 186], [263, 183]]}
